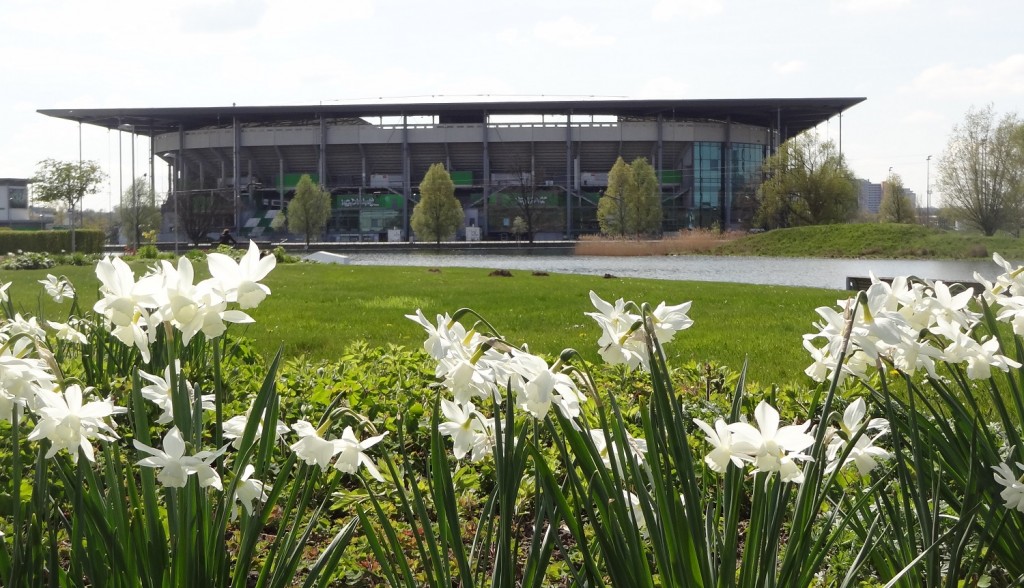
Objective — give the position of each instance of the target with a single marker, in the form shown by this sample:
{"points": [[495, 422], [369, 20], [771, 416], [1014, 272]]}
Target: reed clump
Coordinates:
{"points": [[692, 241]]}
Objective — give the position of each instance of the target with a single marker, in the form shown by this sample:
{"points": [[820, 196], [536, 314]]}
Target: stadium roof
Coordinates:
{"points": [[791, 115]]}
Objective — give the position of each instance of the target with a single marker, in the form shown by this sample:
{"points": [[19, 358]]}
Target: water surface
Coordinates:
{"points": [[817, 273]]}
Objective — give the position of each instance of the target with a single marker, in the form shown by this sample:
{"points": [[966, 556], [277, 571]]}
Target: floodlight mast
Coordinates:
{"points": [[928, 190]]}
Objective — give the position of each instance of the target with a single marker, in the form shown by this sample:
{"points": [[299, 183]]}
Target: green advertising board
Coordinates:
{"points": [[388, 200]]}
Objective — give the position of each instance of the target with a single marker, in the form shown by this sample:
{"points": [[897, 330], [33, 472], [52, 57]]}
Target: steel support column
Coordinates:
{"points": [[660, 162], [236, 170], [322, 165], [487, 174], [727, 196], [568, 176], [406, 180], [152, 168], [180, 182]]}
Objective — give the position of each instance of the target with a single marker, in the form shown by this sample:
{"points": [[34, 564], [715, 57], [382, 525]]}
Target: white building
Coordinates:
{"points": [[13, 201]]}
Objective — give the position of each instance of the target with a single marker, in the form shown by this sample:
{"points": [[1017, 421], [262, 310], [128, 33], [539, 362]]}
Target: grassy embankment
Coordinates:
{"points": [[867, 240], [319, 310]]}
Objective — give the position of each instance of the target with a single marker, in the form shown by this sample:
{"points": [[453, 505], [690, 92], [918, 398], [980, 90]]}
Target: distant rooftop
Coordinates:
{"points": [[791, 115]]}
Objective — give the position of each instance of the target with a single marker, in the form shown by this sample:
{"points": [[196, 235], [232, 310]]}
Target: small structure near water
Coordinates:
{"points": [[327, 257]]}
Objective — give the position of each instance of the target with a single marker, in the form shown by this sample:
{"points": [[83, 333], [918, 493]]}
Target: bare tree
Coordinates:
{"points": [[138, 211], [527, 199], [896, 206], [981, 174], [201, 212]]}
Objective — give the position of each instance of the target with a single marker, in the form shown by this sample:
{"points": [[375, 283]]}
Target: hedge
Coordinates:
{"points": [[86, 241]]}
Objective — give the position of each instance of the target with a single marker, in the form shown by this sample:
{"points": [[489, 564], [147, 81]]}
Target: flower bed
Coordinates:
{"points": [[141, 441]]}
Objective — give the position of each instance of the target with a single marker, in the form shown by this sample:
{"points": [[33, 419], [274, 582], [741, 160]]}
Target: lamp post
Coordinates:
{"points": [[928, 190], [133, 201]]}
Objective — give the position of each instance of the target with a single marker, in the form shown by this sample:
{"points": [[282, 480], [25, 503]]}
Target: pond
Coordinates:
{"points": [[816, 273]]}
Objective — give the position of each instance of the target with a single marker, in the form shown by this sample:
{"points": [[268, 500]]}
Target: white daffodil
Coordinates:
{"points": [[1011, 281], [311, 447], [537, 387], [21, 379], [720, 439], [247, 491], [853, 419], [69, 424], [240, 281], [669, 320], [439, 336], [175, 467], [1013, 487], [123, 297], [159, 393], [126, 303], [22, 326], [465, 426], [637, 447], [352, 454], [234, 428], [467, 373], [772, 449], [865, 454], [58, 288], [633, 502], [621, 340], [66, 332], [3, 291]]}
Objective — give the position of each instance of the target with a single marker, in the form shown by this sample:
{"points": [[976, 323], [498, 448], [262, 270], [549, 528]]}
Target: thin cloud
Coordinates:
{"points": [[568, 32], [509, 35], [870, 5], [923, 117], [663, 87], [985, 82], [789, 67], [222, 16], [667, 9]]}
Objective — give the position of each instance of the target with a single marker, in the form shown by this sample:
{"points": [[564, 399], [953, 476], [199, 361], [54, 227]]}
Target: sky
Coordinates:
{"points": [[921, 64]]}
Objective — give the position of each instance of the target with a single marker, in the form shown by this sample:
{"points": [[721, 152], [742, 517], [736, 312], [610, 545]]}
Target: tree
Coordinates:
{"points": [[438, 214], [138, 211], [519, 228], [66, 183], [309, 209], [643, 198], [981, 173], [611, 208], [530, 201], [808, 183], [201, 212], [896, 206], [631, 204]]}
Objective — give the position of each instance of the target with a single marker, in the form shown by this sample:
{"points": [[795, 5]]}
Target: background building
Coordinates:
{"points": [[14, 202], [238, 166], [870, 196]]}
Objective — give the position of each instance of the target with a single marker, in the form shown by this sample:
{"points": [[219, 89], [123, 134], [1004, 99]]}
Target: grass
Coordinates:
{"points": [[863, 240], [874, 240], [318, 311], [684, 242]]}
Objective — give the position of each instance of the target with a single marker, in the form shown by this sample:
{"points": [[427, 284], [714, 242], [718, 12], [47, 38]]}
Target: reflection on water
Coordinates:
{"points": [[817, 273]]}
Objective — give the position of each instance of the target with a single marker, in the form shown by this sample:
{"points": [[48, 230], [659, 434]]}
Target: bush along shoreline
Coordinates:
{"points": [[142, 445]]}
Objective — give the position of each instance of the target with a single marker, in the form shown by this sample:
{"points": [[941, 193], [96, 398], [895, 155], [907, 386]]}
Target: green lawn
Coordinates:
{"points": [[875, 240], [318, 310]]}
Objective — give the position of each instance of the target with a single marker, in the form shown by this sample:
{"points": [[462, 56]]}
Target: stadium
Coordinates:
{"points": [[238, 166]]}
